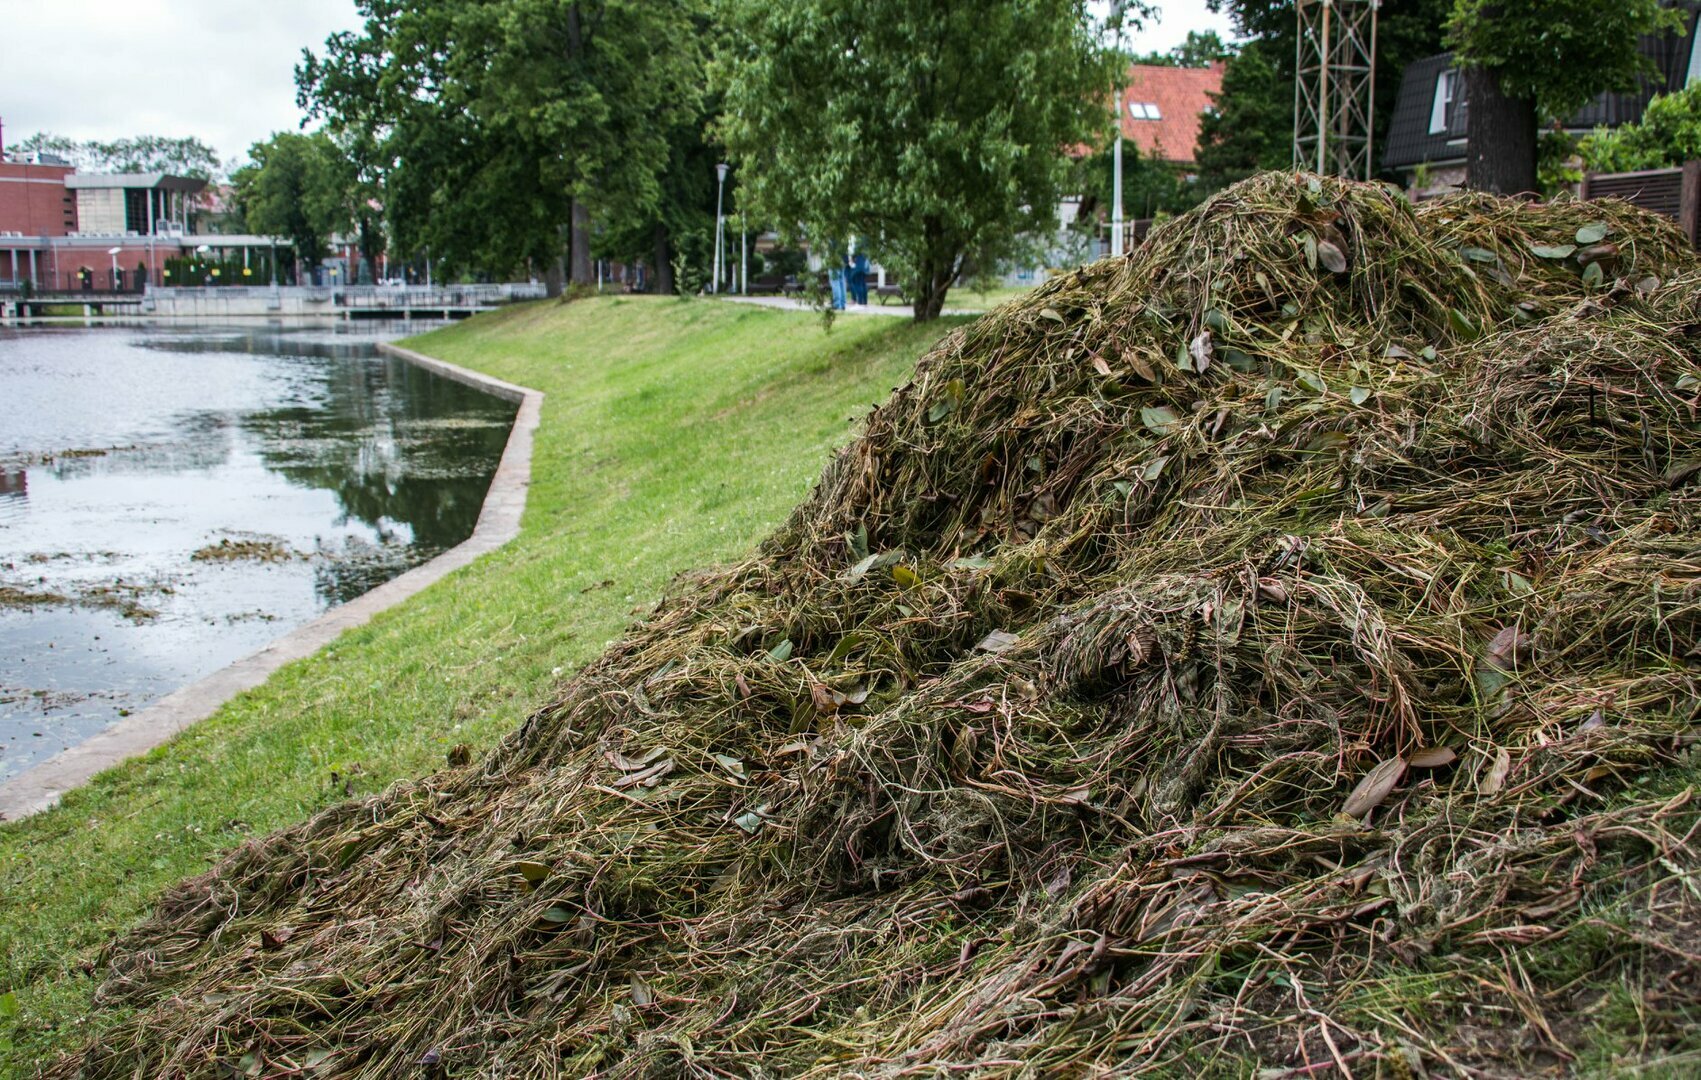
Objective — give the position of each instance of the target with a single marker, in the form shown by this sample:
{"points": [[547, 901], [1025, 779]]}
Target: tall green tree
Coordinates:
{"points": [[1526, 59], [679, 224], [159, 153], [187, 156], [1250, 125], [501, 128], [299, 187], [934, 132]]}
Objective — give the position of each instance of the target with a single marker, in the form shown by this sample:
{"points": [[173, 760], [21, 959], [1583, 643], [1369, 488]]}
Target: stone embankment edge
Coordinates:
{"points": [[41, 786]]}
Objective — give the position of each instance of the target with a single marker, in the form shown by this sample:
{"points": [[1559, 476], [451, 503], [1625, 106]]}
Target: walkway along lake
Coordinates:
{"points": [[172, 499]]}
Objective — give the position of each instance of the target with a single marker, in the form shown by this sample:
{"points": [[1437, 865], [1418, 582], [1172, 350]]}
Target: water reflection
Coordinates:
{"points": [[171, 500]]}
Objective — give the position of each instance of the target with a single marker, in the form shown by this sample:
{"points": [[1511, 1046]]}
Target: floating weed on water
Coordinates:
{"points": [[262, 549]]}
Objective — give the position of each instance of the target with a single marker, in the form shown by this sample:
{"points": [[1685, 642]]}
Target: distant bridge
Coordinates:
{"points": [[250, 301]]}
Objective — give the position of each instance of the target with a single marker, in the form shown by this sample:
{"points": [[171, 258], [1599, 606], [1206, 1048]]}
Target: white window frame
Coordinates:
{"points": [[1694, 75], [1446, 89], [1144, 110]]}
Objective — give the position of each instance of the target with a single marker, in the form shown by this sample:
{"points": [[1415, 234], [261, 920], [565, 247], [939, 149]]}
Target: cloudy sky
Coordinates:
{"points": [[221, 70]]}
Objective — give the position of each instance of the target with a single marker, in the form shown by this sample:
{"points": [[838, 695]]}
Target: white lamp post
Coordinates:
{"points": [[203, 251], [114, 253], [720, 193], [1116, 14], [1116, 195]]}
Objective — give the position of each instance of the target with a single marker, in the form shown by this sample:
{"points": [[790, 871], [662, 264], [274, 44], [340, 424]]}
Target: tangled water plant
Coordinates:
{"points": [[1273, 650]]}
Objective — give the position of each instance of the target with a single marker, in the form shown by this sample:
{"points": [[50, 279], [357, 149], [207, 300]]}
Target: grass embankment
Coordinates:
{"points": [[972, 299], [674, 434]]}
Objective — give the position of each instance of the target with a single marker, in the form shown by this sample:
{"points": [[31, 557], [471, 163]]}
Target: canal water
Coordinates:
{"points": [[172, 499]]}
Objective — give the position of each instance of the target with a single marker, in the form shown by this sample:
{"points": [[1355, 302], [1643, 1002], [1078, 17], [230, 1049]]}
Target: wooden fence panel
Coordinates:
{"points": [[1675, 193]]}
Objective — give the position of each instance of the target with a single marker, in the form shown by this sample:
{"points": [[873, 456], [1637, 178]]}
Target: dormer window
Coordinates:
{"points": [[1446, 87], [1143, 110], [1694, 75]]}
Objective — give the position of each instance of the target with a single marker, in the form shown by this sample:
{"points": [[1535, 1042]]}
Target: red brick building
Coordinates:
{"points": [[33, 199], [64, 230], [61, 229]]}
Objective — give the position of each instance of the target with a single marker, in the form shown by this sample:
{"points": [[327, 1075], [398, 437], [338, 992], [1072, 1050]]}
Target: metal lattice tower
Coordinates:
{"points": [[1335, 87]]}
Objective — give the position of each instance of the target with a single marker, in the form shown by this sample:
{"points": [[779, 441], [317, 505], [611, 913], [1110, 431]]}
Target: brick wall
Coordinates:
{"points": [[34, 200]]}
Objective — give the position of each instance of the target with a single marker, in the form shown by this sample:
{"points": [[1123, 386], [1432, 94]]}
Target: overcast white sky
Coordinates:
{"points": [[222, 70], [1168, 28]]}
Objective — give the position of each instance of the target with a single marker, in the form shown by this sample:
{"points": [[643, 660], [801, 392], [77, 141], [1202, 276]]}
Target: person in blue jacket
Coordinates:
{"points": [[859, 279], [836, 279]]}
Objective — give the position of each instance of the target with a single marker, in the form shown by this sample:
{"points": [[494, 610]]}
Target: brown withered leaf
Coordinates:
{"points": [[1507, 647], [273, 940], [1331, 256], [1137, 364], [1432, 757], [996, 642], [1496, 778], [630, 764], [1375, 787]]}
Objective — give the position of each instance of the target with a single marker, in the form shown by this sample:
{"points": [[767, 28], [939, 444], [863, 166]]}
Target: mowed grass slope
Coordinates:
{"points": [[675, 434]]}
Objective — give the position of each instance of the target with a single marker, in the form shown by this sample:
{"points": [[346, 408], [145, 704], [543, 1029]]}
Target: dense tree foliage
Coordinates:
{"points": [[1251, 126], [1526, 59], [300, 187], [933, 132], [678, 227], [1668, 134], [500, 128], [136, 154], [1151, 186]]}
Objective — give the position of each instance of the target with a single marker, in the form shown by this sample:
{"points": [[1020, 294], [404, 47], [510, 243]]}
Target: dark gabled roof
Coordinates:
{"points": [[1408, 141]]}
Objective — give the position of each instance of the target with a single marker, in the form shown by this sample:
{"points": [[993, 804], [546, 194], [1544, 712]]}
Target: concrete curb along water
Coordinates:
{"points": [[41, 785]]}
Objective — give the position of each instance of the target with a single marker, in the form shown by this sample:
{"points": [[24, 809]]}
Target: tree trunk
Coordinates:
{"points": [[1500, 134], [664, 262], [369, 247], [934, 275], [930, 292], [554, 275], [579, 270], [579, 246]]}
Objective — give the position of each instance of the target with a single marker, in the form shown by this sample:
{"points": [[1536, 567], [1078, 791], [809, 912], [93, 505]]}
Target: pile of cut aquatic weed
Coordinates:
{"points": [[1277, 648]]}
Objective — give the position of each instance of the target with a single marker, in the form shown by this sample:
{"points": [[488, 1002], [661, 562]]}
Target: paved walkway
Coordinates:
{"points": [[786, 303]]}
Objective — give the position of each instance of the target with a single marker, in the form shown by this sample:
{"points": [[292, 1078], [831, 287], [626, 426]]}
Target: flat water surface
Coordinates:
{"points": [[172, 499]]}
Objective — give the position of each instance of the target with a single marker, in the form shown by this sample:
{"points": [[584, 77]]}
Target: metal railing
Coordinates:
{"points": [[368, 296]]}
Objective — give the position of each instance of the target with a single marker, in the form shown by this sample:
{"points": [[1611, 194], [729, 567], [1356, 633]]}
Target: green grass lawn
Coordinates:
{"points": [[675, 434], [968, 298]]}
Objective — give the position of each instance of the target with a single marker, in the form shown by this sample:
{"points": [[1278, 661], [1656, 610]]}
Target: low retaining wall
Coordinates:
{"points": [[41, 785]]}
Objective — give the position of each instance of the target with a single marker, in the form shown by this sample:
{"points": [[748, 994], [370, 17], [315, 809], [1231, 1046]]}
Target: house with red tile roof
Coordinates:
{"points": [[1161, 107]]}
